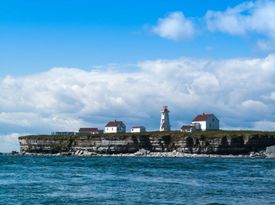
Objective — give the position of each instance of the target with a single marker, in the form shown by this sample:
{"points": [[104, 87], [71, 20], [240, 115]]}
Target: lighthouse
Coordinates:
{"points": [[164, 119]]}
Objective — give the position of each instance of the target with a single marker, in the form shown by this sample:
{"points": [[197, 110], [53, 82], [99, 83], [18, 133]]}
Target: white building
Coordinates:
{"points": [[164, 119], [206, 122], [138, 129], [188, 128], [115, 127]]}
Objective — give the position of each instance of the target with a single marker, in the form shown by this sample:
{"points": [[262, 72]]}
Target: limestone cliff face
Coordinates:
{"points": [[221, 142]]}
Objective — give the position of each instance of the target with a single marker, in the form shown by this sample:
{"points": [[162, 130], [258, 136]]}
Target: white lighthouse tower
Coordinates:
{"points": [[164, 119]]}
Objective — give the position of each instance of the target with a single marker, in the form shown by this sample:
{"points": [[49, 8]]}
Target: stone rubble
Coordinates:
{"points": [[147, 153]]}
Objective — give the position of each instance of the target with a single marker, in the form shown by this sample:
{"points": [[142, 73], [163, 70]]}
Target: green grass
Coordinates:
{"points": [[207, 134]]}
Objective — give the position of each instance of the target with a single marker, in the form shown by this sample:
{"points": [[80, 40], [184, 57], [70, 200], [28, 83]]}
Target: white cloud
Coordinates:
{"points": [[253, 105], [40, 122], [272, 96], [175, 26], [9, 142], [66, 99], [264, 125], [251, 16], [266, 45], [258, 108]]}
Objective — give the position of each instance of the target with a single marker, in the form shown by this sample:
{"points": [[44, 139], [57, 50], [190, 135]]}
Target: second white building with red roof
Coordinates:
{"points": [[115, 127], [206, 122]]}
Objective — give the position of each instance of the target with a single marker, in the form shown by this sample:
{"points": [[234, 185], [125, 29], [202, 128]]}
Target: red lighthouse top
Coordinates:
{"points": [[165, 109]]}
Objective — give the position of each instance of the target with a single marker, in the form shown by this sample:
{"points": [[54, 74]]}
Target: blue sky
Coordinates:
{"points": [[70, 64], [38, 35]]}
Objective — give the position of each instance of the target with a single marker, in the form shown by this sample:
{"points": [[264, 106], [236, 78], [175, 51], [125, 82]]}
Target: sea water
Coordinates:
{"points": [[125, 180]]}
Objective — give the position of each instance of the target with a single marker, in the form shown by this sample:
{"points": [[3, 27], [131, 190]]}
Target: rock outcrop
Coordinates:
{"points": [[219, 142]]}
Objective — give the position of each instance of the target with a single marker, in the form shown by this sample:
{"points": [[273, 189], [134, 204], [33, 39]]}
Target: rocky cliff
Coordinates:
{"points": [[219, 142]]}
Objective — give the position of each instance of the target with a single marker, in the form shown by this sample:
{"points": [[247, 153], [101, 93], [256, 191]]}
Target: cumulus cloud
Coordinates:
{"points": [[175, 26], [239, 91], [251, 16]]}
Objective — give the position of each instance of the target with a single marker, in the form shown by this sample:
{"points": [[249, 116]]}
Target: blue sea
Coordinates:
{"points": [[125, 180]]}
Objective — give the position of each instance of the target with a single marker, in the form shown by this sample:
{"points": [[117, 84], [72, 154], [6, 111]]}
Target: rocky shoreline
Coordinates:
{"points": [[147, 153]]}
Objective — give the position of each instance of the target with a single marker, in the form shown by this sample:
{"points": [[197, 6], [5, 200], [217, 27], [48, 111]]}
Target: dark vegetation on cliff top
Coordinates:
{"points": [[173, 134]]}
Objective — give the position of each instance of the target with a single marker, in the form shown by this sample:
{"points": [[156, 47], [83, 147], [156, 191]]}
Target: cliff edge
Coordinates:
{"points": [[214, 142]]}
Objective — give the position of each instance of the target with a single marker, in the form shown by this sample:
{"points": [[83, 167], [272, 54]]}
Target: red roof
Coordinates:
{"points": [[202, 117], [115, 123], [88, 130], [165, 109]]}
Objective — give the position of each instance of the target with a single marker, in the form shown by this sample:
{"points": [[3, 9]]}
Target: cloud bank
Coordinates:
{"points": [[239, 91]]}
